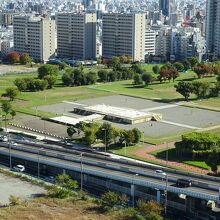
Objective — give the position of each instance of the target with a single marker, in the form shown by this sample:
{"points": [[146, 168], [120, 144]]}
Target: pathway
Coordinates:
{"points": [[144, 153]]}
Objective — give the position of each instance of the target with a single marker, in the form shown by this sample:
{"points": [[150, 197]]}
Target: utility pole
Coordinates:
{"points": [[81, 168], [165, 208]]}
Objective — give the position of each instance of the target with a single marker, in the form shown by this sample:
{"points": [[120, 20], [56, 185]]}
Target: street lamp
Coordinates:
{"points": [[133, 191], [81, 169], [104, 129]]}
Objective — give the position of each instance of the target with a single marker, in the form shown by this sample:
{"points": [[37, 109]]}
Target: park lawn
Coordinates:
{"points": [[155, 90], [200, 164], [26, 101], [172, 157]]}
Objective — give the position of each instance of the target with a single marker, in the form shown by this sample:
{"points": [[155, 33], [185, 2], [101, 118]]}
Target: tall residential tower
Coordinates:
{"points": [[35, 36], [76, 35], [123, 34], [213, 28]]}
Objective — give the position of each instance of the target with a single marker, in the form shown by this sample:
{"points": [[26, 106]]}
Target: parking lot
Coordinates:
{"points": [[16, 187], [176, 118]]}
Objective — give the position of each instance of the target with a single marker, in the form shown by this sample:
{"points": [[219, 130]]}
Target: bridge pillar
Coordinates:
{"points": [[64, 171], [158, 196], [190, 204]]}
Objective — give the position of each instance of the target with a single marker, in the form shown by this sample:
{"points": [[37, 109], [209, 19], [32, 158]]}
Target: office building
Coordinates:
{"points": [[213, 28], [35, 36], [123, 34], [76, 35]]}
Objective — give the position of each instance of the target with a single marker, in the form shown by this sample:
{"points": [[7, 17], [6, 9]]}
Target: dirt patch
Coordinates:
{"points": [[50, 209]]}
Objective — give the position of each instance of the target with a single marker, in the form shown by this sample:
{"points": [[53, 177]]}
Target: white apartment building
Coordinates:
{"points": [[123, 34], [35, 36], [213, 27], [76, 35], [150, 41]]}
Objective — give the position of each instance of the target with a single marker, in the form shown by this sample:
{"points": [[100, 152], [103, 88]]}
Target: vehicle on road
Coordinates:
{"points": [[184, 183], [161, 172], [19, 168]]}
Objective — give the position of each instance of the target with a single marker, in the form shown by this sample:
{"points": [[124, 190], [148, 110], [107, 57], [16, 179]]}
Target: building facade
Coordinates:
{"points": [[123, 34], [213, 28], [35, 36], [76, 35]]}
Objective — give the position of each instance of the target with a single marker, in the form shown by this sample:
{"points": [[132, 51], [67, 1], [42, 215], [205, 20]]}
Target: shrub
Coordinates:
{"points": [[14, 200]]}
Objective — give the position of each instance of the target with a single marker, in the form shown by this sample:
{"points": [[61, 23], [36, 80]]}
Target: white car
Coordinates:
{"points": [[161, 172], [19, 168]]}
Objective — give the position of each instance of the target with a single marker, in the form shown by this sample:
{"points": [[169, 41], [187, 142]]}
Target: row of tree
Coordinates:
{"points": [[199, 88], [14, 57], [47, 77], [92, 132], [200, 146]]}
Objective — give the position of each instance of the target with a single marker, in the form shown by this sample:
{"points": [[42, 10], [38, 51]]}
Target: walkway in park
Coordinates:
{"points": [[144, 153]]}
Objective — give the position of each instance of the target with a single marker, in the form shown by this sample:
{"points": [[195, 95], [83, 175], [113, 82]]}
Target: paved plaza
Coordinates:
{"points": [[176, 118]]}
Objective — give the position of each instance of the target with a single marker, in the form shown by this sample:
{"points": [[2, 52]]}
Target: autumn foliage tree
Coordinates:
{"points": [[202, 70], [25, 58], [13, 57]]}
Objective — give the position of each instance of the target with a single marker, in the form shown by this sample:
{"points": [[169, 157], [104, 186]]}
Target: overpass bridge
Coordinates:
{"points": [[124, 176]]}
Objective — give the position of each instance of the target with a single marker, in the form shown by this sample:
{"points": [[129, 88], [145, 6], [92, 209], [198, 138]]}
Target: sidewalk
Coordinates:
{"points": [[144, 153]]}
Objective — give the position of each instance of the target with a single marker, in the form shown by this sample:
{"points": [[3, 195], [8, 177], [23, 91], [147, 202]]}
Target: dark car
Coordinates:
{"points": [[184, 183]]}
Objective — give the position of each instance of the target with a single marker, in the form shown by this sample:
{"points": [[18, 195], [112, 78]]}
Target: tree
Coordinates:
{"points": [[21, 84], [147, 78], [51, 80], [13, 113], [106, 133], [64, 180], [25, 59], [137, 79], [68, 77], [11, 93], [91, 77], [200, 89], [71, 131], [6, 108], [156, 69], [148, 209], [185, 89], [169, 74], [47, 69], [179, 66], [103, 75], [116, 64], [112, 76], [202, 70], [193, 61], [137, 135], [128, 136], [111, 199], [137, 68], [90, 133], [13, 57]]}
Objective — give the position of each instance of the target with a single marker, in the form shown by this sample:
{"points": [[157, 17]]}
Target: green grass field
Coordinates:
{"points": [[160, 91], [27, 100]]}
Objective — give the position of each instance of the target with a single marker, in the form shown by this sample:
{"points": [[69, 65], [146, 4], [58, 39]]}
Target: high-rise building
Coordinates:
{"points": [[76, 35], [35, 36], [213, 28], [123, 34], [167, 7], [164, 7]]}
